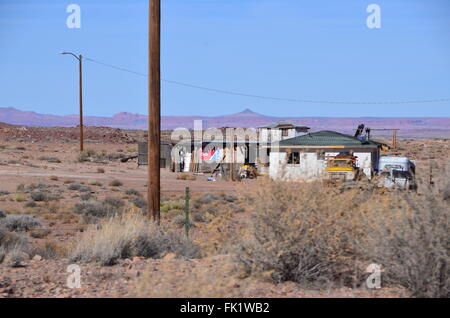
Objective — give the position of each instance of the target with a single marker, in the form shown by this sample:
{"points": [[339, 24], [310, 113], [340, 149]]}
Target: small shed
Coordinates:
{"points": [[166, 154]]}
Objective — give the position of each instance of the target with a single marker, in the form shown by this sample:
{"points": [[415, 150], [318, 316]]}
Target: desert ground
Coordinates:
{"points": [[46, 179]]}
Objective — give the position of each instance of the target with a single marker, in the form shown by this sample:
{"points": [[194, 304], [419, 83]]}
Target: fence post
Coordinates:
{"points": [[187, 222]]}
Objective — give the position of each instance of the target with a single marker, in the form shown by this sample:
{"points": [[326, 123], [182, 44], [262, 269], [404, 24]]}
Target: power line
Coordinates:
{"points": [[292, 100]]}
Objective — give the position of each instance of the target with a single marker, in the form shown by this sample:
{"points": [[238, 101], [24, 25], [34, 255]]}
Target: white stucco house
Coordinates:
{"points": [[304, 157], [281, 130]]}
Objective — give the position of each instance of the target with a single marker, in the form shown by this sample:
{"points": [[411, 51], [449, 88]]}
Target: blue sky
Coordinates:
{"points": [[319, 50]]}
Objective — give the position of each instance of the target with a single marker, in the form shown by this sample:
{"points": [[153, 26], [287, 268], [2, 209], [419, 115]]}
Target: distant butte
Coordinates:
{"points": [[432, 127]]}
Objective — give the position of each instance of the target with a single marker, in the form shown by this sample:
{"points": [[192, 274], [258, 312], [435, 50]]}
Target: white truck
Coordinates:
{"points": [[397, 172]]}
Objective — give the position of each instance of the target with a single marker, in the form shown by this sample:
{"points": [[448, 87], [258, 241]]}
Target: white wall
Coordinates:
{"points": [[310, 166]]}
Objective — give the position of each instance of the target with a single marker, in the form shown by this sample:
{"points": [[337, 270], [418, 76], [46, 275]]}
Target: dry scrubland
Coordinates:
{"points": [[253, 238]]}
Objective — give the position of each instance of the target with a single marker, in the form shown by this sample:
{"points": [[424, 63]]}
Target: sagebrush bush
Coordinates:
{"points": [[413, 245], [10, 245], [75, 186], [116, 183], [39, 196], [300, 232], [311, 234], [127, 236], [19, 222], [139, 202], [132, 192], [91, 211]]}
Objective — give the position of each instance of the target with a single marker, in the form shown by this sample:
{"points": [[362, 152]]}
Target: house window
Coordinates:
{"points": [[284, 132], [294, 158]]}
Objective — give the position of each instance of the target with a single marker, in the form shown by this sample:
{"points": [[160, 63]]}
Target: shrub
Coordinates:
{"points": [[19, 223], [50, 250], [139, 202], [132, 192], [14, 257], [75, 186], [86, 155], [11, 244], [115, 183], [85, 189], [39, 232], [31, 204], [311, 234], [413, 245], [128, 236], [9, 240], [92, 211], [208, 198], [39, 196], [95, 183], [20, 197], [180, 220], [298, 233], [2, 214], [100, 170], [86, 196]]}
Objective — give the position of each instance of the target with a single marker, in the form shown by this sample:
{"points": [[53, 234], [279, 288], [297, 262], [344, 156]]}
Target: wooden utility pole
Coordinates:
{"points": [[154, 109], [80, 63], [81, 103]]}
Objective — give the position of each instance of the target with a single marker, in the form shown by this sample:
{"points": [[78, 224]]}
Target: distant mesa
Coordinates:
{"points": [[436, 126]]}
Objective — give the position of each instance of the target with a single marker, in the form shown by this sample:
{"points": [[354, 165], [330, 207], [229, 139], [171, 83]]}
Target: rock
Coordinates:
{"points": [[137, 259], [169, 257], [37, 258]]}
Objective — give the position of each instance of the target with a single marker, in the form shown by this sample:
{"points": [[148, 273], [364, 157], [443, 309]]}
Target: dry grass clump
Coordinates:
{"points": [[50, 159], [217, 278], [20, 197], [98, 157], [49, 250], [86, 155], [186, 176], [127, 236]]}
